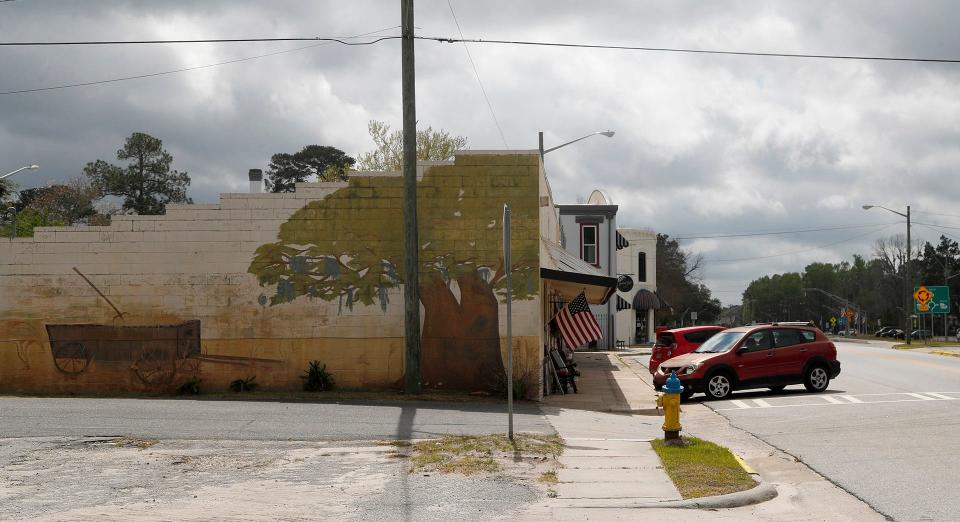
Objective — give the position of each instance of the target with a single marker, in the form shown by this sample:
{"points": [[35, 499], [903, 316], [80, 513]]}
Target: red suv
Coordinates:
{"points": [[679, 341], [763, 356]]}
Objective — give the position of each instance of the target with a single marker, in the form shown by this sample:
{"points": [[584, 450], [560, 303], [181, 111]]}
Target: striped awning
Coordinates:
{"points": [[622, 242], [646, 300], [622, 304]]}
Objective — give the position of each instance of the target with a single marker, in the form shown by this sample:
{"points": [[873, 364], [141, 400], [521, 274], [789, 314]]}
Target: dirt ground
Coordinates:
{"points": [[126, 478]]}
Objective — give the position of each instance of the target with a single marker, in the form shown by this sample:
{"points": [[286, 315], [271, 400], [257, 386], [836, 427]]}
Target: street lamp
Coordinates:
{"points": [[607, 133], [31, 167], [909, 271]]}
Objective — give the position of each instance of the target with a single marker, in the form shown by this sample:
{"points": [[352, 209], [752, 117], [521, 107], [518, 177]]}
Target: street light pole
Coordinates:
{"points": [[909, 271], [607, 133], [30, 167]]}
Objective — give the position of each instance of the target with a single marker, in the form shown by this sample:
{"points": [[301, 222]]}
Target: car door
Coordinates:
{"points": [[790, 349], [757, 360]]}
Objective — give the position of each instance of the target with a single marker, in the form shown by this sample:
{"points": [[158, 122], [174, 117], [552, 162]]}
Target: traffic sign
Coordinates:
{"points": [[849, 313], [833, 321], [931, 300]]}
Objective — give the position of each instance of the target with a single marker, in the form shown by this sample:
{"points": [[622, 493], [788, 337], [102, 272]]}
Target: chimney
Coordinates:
{"points": [[256, 181]]}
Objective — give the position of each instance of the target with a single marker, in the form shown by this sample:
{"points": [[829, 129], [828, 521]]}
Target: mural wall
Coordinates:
{"points": [[260, 284]]}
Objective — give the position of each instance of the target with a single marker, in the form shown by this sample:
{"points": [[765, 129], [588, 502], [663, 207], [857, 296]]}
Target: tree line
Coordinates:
{"points": [[874, 288]]}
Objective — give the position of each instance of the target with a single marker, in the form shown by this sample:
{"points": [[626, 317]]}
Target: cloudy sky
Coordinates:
{"points": [[705, 144]]}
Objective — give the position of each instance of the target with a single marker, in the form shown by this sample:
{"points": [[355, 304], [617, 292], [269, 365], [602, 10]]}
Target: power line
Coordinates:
{"points": [[184, 69], [936, 214], [477, 74], [781, 232], [691, 51], [802, 250], [210, 40]]}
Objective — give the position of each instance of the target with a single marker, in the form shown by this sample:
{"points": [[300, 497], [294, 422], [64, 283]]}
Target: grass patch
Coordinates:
{"points": [[468, 455], [548, 477], [702, 469], [122, 442], [924, 344], [948, 354]]}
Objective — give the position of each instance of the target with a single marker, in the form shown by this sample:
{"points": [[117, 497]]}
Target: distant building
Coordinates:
{"points": [[637, 297]]}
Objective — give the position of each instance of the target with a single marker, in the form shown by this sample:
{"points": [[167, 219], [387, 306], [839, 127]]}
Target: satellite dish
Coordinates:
{"points": [[597, 197]]}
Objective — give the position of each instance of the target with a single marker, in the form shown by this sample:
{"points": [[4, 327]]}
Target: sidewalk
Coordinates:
{"points": [[612, 473]]}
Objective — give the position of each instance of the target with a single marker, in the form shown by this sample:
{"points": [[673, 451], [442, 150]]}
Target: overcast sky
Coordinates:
{"points": [[704, 144]]}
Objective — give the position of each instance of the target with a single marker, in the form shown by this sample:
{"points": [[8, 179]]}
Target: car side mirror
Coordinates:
{"points": [[742, 349]]}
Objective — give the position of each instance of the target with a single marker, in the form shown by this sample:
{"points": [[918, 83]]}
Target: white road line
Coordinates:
{"points": [[762, 403], [917, 395], [832, 400], [741, 405], [941, 396], [854, 400]]}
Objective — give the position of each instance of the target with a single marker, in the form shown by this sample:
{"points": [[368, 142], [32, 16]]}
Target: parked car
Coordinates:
{"points": [[679, 341], [847, 333], [883, 330], [921, 334], [896, 333], [769, 356]]}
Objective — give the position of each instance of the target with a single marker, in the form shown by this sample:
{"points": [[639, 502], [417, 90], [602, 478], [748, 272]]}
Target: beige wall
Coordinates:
{"points": [[219, 264]]}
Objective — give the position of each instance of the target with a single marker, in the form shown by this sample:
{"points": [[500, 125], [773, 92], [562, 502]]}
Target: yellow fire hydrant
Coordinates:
{"points": [[669, 400]]}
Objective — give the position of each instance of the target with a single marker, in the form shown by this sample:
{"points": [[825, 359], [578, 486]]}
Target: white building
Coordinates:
{"points": [[637, 286]]}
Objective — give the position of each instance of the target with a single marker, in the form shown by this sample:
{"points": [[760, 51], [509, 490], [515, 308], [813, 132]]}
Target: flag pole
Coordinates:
{"points": [[508, 270]]}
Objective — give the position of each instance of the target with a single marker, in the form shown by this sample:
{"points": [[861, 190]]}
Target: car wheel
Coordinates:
{"points": [[719, 386], [777, 389], [686, 394], [817, 379]]}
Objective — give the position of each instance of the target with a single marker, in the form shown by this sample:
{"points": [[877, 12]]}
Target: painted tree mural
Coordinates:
{"points": [[348, 248]]}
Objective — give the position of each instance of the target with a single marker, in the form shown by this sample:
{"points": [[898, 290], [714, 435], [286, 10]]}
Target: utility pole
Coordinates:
{"points": [[909, 285], [411, 257]]}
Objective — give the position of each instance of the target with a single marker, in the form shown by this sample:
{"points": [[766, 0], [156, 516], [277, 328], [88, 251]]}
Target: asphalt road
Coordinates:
{"points": [[255, 420], [887, 430]]}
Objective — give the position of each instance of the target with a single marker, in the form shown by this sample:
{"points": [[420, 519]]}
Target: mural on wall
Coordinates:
{"points": [[348, 248], [155, 354]]}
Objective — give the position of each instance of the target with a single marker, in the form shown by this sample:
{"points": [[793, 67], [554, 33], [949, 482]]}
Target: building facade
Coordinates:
{"points": [[637, 286]]}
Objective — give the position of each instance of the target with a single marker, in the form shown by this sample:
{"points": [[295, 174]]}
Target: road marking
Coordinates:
{"points": [[835, 400]]}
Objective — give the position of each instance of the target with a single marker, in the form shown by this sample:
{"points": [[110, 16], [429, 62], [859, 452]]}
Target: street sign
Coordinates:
{"points": [[849, 313], [931, 300], [693, 316], [833, 321]]}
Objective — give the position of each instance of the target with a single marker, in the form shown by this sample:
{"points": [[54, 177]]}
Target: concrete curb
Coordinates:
{"points": [[762, 492]]}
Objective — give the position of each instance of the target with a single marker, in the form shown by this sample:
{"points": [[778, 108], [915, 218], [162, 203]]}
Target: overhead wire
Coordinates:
{"points": [[185, 69], [341, 40], [780, 232], [687, 50], [818, 247], [477, 74]]}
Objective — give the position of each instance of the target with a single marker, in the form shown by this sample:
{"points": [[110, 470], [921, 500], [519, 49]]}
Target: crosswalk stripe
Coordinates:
{"points": [[852, 399], [762, 403], [940, 396], [917, 395], [832, 400], [740, 404]]}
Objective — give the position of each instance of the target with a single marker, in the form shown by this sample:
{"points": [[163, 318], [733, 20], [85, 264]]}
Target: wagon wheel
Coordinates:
{"points": [[71, 358], [154, 367], [188, 367]]}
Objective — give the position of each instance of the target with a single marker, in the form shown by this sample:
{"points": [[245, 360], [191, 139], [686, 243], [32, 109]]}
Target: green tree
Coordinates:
{"points": [[388, 155], [72, 202], [146, 183], [317, 257], [678, 282], [313, 161]]}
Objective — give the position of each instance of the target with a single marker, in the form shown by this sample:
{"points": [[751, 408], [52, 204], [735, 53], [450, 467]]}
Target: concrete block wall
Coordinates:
{"points": [[196, 263]]}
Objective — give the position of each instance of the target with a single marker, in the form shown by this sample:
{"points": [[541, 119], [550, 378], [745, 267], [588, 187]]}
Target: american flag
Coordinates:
{"points": [[577, 325]]}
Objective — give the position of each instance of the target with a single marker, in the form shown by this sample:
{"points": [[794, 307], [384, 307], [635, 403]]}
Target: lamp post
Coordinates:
{"points": [[607, 133], [31, 167], [909, 272]]}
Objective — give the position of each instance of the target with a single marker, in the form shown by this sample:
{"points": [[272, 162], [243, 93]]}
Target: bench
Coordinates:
{"points": [[566, 371]]}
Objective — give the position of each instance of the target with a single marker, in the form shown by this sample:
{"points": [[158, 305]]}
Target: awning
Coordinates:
{"points": [[622, 242], [569, 275], [646, 300], [622, 304]]}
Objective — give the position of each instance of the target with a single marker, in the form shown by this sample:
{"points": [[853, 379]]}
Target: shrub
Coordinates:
{"points": [[317, 378], [190, 386], [242, 385]]}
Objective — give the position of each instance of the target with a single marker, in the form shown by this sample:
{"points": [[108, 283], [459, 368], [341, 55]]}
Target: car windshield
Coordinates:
{"points": [[721, 342]]}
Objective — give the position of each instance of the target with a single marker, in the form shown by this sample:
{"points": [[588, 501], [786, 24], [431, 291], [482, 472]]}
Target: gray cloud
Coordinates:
{"points": [[703, 144]]}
